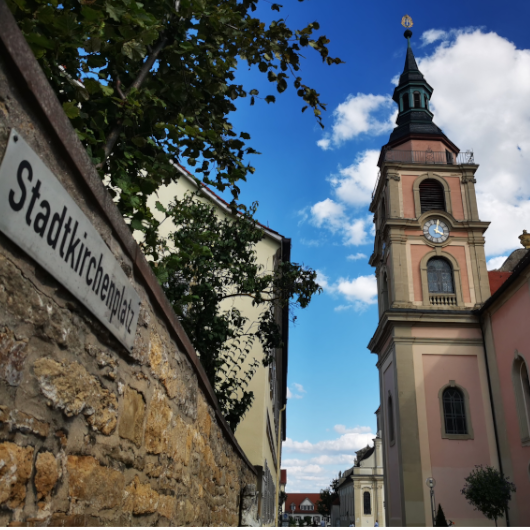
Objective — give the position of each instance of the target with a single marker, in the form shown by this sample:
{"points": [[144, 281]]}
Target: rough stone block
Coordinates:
{"points": [[15, 470], [72, 389], [141, 499], [12, 356], [21, 421], [89, 481], [158, 429], [132, 417], [159, 362], [47, 474]]}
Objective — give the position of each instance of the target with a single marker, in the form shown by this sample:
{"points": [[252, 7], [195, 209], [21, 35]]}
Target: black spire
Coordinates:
{"points": [[412, 96]]}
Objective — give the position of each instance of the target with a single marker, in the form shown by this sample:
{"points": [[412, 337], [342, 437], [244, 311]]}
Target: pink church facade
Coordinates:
{"points": [[452, 357]]}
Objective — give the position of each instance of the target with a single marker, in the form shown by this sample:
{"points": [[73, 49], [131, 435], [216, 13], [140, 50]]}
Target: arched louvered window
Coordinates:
{"points": [[367, 503], [406, 102], [432, 195], [390, 413], [440, 276], [454, 411], [417, 103]]}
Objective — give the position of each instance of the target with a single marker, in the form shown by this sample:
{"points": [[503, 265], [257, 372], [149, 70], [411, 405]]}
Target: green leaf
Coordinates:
{"points": [[134, 49], [114, 12], [91, 14], [159, 207], [137, 224], [39, 40], [71, 110], [270, 99]]}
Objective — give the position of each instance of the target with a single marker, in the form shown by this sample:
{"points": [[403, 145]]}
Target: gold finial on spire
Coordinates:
{"points": [[406, 22], [525, 239]]}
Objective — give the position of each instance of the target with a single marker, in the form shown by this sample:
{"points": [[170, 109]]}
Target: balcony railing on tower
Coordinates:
{"points": [[425, 157], [428, 157]]}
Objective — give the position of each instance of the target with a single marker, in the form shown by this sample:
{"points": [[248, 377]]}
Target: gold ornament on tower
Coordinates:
{"points": [[525, 239], [406, 22]]}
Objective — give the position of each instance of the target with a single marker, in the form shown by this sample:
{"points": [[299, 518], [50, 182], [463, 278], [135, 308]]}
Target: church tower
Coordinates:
{"points": [[431, 276]]}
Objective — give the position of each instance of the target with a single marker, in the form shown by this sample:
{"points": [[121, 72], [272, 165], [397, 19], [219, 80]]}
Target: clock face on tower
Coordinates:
{"points": [[435, 230]]}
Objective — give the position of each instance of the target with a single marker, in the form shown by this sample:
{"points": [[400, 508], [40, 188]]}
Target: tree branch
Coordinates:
{"points": [[137, 83]]}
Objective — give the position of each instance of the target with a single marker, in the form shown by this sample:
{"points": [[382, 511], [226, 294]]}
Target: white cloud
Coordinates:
{"points": [[341, 429], [355, 257], [433, 35], [347, 443], [322, 280], [299, 387], [354, 184], [495, 263], [360, 292], [356, 116], [328, 213], [312, 466], [482, 101]]}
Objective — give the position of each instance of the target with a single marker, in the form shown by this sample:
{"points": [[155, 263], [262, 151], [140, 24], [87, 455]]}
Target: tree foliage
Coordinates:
{"points": [[156, 83], [145, 84], [440, 517], [216, 262], [488, 491], [327, 498]]}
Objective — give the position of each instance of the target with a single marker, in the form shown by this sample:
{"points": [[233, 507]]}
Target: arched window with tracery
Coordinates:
{"points": [[432, 195], [367, 503], [454, 410], [440, 276], [522, 395]]}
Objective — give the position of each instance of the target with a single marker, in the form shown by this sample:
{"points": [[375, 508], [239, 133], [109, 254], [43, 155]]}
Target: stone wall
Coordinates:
{"points": [[91, 434]]}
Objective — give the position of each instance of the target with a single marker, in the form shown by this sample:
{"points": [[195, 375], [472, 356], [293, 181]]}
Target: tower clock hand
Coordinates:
{"points": [[437, 226]]}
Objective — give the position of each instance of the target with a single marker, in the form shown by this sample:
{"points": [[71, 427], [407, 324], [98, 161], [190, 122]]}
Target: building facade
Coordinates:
{"points": [[262, 430], [361, 489], [436, 406], [300, 506]]}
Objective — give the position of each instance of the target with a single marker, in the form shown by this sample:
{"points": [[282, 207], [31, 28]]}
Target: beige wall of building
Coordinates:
{"points": [[257, 432]]}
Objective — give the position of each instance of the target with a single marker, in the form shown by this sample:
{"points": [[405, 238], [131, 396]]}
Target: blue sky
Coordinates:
{"points": [[314, 186]]}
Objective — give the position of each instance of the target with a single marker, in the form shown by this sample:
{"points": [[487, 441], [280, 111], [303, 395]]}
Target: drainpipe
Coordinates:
{"points": [[278, 471], [493, 411]]}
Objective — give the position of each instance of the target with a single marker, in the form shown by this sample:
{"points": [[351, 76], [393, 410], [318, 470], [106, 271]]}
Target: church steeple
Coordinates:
{"points": [[412, 95]]}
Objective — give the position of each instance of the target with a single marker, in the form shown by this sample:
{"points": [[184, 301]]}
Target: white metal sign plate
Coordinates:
{"points": [[38, 214]]}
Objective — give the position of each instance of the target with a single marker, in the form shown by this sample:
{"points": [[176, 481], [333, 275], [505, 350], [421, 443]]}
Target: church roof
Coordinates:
{"points": [[413, 122]]}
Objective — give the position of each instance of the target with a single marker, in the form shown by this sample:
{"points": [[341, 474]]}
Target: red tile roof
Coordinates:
{"points": [[496, 279], [283, 476], [299, 498]]}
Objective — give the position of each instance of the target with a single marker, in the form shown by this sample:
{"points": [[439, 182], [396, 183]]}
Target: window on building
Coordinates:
{"points": [[454, 411], [293, 506], [449, 157], [432, 195], [417, 103], [440, 276], [426, 101], [406, 103], [391, 429], [522, 395], [367, 503]]}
